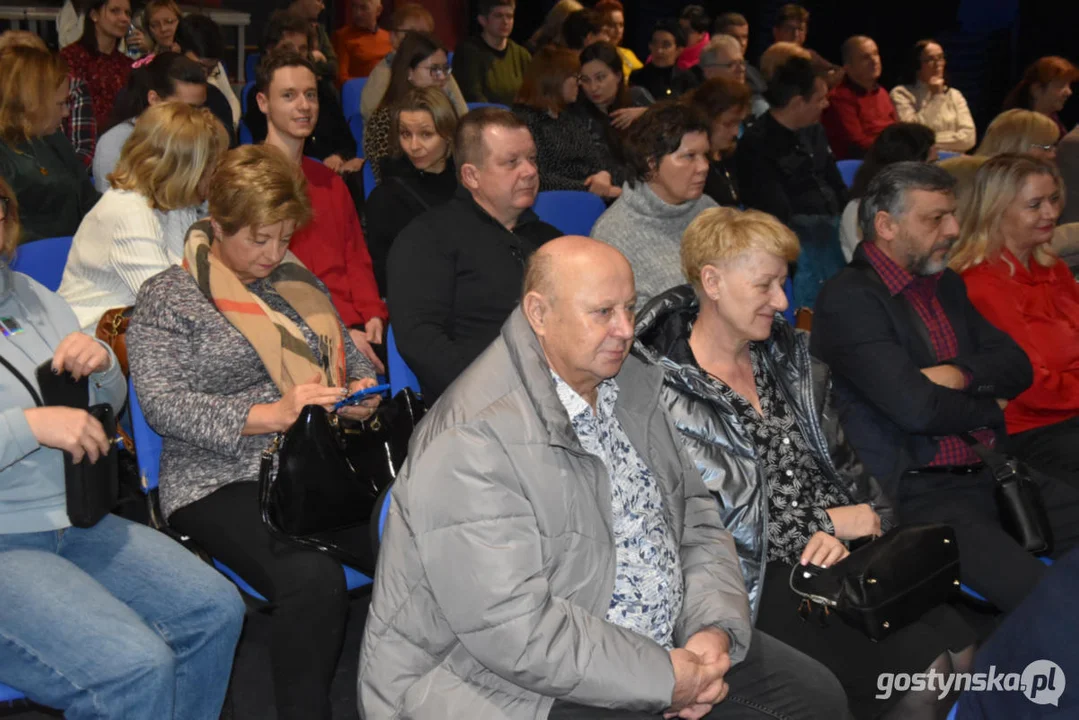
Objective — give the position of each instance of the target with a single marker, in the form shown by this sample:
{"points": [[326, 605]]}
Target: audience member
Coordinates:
{"points": [[581, 29], [161, 18], [723, 58], [778, 53], [660, 76], [901, 142], [79, 125], [567, 158], [792, 25], [858, 108], [927, 99], [736, 25], [1017, 282], [169, 76], [454, 273], [83, 611], [1021, 131], [785, 151], [623, 608], [754, 412], [915, 365], [137, 229], [331, 243], [1045, 88], [419, 175], [323, 56], [35, 157], [695, 24], [1067, 159], [607, 102], [330, 141], [218, 384], [727, 104], [409, 17], [667, 165], [612, 19], [96, 58], [421, 61], [200, 39], [490, 66], [361, 44], [550, 31]]}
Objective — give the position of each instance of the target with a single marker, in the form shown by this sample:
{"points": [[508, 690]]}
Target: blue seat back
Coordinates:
{"points": [[248, 87], [848, 169], [473, 106], [574, 212], [400, 374], [147, 442], [43, 260], [251, 65], [945, 154], [244, 135], [9, 694], [355, 126], [350, 96]]}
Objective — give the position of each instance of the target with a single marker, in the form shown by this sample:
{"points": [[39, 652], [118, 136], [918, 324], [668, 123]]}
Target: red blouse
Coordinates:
{"points": [[104, 75], [1039, 308]]}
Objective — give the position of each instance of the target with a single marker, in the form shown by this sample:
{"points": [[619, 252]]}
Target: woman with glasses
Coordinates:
{"points": [[566, 156], [421, 61], [1021, 131], [161, 18], [928, 100], [35, 156], [96, 58]]}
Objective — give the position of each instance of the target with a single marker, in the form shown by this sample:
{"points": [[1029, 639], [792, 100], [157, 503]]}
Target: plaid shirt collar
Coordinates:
{"points": [[895, 278]]}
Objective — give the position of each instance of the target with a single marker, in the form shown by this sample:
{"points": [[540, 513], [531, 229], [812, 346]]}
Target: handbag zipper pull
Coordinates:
{"points": [[823, 616], [805, 609]]}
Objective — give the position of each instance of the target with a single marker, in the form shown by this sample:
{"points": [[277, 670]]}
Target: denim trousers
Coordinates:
{"points": [[115, 621]]}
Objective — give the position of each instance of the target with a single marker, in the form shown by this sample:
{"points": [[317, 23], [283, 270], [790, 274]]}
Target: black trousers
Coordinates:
{"points": [[991, 562], [1053, 449], [306, 589], [773, 681]]}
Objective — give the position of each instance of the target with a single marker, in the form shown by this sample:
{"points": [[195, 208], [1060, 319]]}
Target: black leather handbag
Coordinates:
{"points": [[885, 584], [1019, 500], [330, 472]]}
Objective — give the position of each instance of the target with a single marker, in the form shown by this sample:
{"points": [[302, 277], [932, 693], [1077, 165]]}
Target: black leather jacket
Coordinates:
{"points": [[721, 446]]}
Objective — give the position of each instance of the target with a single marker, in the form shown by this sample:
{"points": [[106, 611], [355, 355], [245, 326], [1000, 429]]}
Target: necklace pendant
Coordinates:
{"points": [[43, 171]]}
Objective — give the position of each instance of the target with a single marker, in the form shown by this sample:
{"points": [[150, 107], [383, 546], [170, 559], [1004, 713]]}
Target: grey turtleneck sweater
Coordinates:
{"points": [[648, 231]]}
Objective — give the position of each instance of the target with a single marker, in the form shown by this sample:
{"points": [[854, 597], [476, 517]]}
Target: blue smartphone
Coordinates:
{"points": [[358, 396]]}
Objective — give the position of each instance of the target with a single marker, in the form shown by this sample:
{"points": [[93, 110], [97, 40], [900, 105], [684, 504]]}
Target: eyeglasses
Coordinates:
{"points": [[440, 70], [740, 64], [4, 201], [1045, 148]]}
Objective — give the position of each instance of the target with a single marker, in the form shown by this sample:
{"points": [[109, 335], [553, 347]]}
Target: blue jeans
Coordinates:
{"points": [[115, 621]]}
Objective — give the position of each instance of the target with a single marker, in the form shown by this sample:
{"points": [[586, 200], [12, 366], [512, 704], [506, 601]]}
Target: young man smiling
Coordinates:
{"points": [[332, 244]]}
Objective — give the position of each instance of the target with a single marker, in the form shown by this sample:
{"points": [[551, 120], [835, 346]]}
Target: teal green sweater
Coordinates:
{"points": [[488, 75]]}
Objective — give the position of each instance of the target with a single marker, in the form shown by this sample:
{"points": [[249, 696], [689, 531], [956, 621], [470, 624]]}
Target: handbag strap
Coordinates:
{"points": [[1002, 466], [412, 191], [22, 378]]}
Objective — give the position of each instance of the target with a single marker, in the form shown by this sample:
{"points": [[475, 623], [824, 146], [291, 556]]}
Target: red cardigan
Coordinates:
{"points": [[333, 248], [105, 76], [1039, 308], [855, 117]]}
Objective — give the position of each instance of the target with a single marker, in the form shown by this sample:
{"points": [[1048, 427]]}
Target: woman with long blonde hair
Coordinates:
{"points": [[1017, 282], [1020, 131], [137, 229]]}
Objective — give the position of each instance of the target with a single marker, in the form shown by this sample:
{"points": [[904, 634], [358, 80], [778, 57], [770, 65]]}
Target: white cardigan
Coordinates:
{"points": [[120, 244]]}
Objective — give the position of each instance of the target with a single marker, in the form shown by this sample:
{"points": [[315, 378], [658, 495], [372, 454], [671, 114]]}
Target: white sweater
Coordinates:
{"points": [[120, 244]]}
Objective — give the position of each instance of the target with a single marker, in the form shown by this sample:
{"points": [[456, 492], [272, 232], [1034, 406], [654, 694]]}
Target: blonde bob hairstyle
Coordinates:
{"points": [[779, 53], [721, 234], [12, 229], [997, 184], [1016, 131], [169, 152], [255, 186], [29, 78], [432, 101]]}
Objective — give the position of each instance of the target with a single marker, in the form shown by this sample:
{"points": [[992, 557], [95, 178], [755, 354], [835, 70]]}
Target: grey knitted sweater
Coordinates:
{"points": [[197, 377], [648, 231]]}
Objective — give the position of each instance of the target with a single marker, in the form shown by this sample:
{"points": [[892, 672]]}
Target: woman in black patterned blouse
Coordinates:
{"points": [[755, 413]]}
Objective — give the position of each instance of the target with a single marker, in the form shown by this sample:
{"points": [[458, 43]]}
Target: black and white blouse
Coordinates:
{"points": [[799, 494]]}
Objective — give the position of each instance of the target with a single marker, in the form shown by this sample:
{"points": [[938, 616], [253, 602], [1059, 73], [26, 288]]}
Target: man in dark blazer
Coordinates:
{"points": [[916, 366]]}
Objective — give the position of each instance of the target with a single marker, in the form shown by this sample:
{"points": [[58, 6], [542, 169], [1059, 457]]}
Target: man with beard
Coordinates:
{"points": [[915, 366]]}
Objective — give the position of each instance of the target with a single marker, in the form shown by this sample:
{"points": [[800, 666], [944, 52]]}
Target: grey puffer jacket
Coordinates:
{"points": [[721, 446], [498, 559]]}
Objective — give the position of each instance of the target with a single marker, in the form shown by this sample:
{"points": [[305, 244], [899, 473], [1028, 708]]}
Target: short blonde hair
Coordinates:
{"points": [[255, 186], [167, 155], [779, 53], [29, 77], [996, 185], [1015, 131], [720, 234], [12, 229]]}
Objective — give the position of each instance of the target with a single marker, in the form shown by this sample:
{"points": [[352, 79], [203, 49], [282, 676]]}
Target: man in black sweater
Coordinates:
{"points": [[455, 272], [916, 367]]}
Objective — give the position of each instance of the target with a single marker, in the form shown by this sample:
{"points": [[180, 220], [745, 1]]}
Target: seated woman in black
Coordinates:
{"points": [[726, 103], [566, 155], [417, 176], [605, 101], [754, 412], [661, 76]]}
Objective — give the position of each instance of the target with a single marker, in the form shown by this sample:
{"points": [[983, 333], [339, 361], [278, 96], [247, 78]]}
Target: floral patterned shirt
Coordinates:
{"points": [[648, 588], [798, 492]]}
